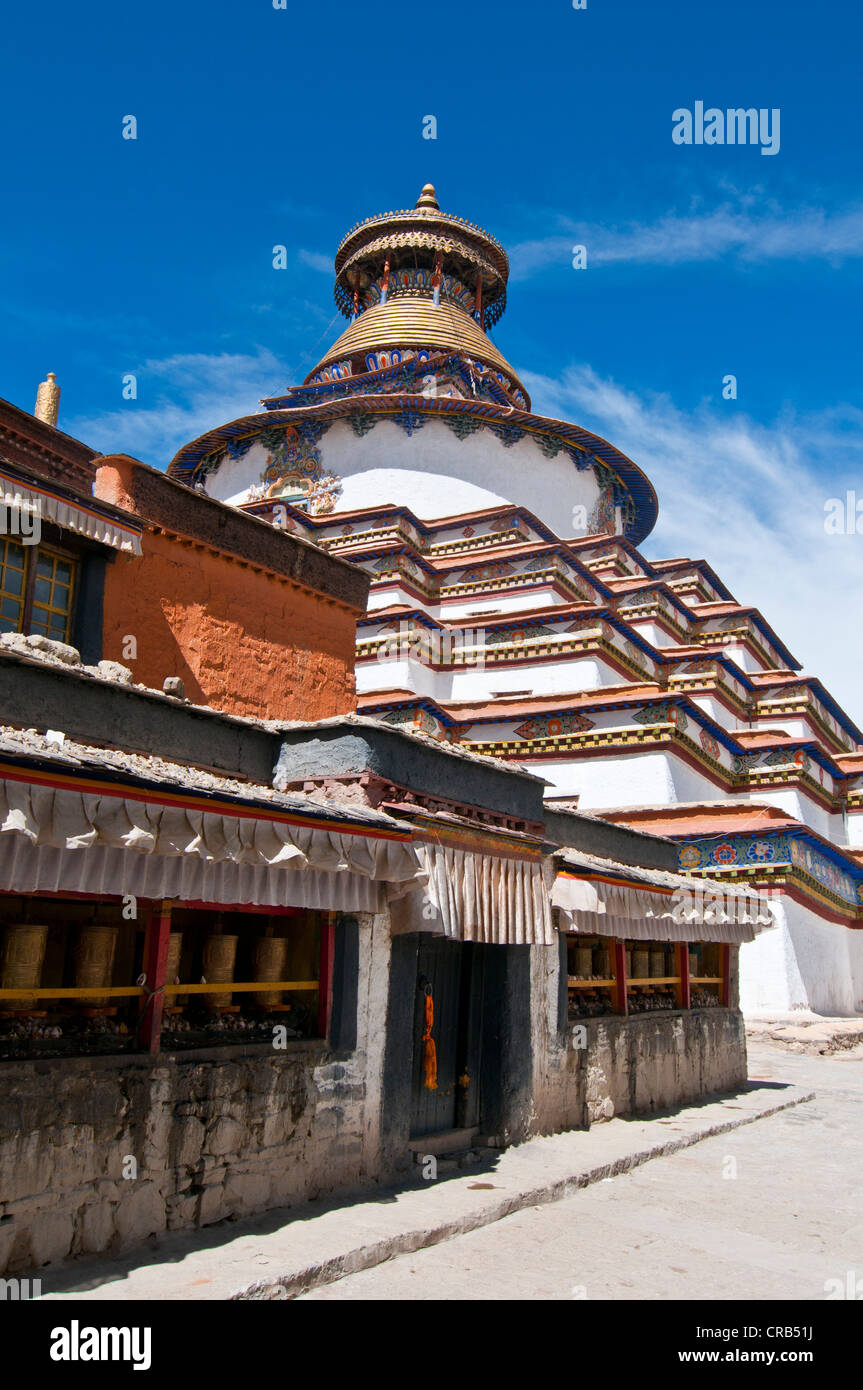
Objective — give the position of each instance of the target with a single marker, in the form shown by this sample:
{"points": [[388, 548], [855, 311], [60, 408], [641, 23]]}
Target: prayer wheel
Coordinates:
{"points": [[628, 954], [220, 954], [583, 962], [271, 953], [172, 969], [94, 962], [602, 963], [21, 962], [657, 962], [693, 963], [640, 964]]}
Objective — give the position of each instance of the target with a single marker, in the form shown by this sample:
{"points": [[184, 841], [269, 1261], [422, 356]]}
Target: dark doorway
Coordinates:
{"points": [[452, 973]]}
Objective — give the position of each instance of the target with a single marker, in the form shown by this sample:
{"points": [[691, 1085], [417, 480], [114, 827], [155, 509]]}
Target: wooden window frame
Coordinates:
{"points": [[28, 599]]}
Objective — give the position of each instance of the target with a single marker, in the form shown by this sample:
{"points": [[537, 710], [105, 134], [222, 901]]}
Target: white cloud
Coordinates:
{"points": [[737, 229], [179, 398], [750, 500], [317, 260]]}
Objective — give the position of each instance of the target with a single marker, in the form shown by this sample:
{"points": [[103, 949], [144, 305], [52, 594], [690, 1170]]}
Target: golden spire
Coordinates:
{"points": [[428, 198], [48, 400]]}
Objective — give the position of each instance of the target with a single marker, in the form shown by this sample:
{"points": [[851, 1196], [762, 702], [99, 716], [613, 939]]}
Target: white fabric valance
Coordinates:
{"points": [[471, 896], [71, 516], [662, 928], [29, 868], [77, 821], [653, 904]]}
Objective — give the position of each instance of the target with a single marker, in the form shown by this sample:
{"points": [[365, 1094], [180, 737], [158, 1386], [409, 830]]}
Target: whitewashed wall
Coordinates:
{"points": [[433, 472], [805, 962]]}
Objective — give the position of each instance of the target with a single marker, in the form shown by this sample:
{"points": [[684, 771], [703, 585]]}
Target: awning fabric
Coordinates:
{"points": [[607, 898], [77, 517], [29, 868], [55, 839], [474, 896]]}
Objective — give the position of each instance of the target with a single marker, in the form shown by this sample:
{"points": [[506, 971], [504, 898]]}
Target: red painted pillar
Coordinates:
{"points": [[621, 1002], [325, 973], [681, 953], [725, 987], [155, 969]]}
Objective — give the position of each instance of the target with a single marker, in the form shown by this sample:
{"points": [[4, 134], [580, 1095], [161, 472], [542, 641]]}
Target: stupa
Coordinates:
{"points": [[513, 612]]}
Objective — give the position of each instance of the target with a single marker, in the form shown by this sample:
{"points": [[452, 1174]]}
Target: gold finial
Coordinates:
{"points": [[48, 400], [428, 198]]}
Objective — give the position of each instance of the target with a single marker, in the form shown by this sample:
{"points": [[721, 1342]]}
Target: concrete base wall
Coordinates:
{"points": [[638, 1065], [226, 1132], [98, 1154]]}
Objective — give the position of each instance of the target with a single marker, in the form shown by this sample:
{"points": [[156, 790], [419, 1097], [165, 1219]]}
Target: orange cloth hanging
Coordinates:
{"points": [[429, 1049]]}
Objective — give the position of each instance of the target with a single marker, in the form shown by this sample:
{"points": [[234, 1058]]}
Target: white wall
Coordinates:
{"points": [[433, 472], [478, 682], [805, 962], [640, 780], [803, 808]]}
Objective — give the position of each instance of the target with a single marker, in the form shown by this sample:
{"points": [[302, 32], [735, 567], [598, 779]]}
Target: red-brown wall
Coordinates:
{"points": [[243, 638]]}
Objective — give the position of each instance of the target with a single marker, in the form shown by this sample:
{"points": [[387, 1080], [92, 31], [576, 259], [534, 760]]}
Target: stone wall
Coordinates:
{"points": [[594, 1069], [638, 1065], [230, 1132], [224, 1132]]}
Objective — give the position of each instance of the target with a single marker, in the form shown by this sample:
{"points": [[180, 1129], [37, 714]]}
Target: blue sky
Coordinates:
{"points": [[259, 126]]}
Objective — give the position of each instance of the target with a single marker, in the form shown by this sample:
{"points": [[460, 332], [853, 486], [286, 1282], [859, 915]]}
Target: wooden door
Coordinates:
{"points": [[451, 971]]}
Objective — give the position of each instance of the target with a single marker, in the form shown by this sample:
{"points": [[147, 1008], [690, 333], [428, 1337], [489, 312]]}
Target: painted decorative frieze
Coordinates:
{"points": [[552, 725], [416, 719], [662, 714], [709, 744], [517, 634]]}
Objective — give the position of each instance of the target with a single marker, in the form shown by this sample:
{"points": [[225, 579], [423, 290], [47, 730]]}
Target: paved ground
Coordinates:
{"points": [[280, 1255], [680, 1226], [805, 1032]]}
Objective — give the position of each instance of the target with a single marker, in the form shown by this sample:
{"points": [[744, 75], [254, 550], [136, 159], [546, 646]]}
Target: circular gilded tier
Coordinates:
{"points": [[411, 321]]}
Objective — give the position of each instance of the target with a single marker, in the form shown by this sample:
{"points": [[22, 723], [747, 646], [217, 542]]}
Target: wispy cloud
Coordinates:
{"points": [[749, 499], [179, 398], [737, 229], [317, 260]]}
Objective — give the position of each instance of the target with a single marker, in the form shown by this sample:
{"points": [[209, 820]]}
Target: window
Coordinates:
{"points": [[36, 590]]}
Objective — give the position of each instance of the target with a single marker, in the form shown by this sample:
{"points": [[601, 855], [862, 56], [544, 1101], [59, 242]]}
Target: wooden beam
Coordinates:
{"points": [[155, 969], [621, 1003], [725, 967], [325, 985], [683, 988]]}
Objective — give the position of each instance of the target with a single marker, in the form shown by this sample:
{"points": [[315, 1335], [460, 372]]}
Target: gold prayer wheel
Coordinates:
{"points": [[172, 969], [220, 954], [640, 964], [602, 962], [271, 953], [21, 962], [583, 962], [94, 961], [657, 962]]}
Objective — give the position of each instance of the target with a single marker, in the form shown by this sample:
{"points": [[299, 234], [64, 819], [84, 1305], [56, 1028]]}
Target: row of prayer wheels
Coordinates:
{"points": [[592, 963], [23, 955], [649, 962]]}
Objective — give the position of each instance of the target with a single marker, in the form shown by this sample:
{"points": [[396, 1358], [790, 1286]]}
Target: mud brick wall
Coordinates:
{"points": [[254, 621]]}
